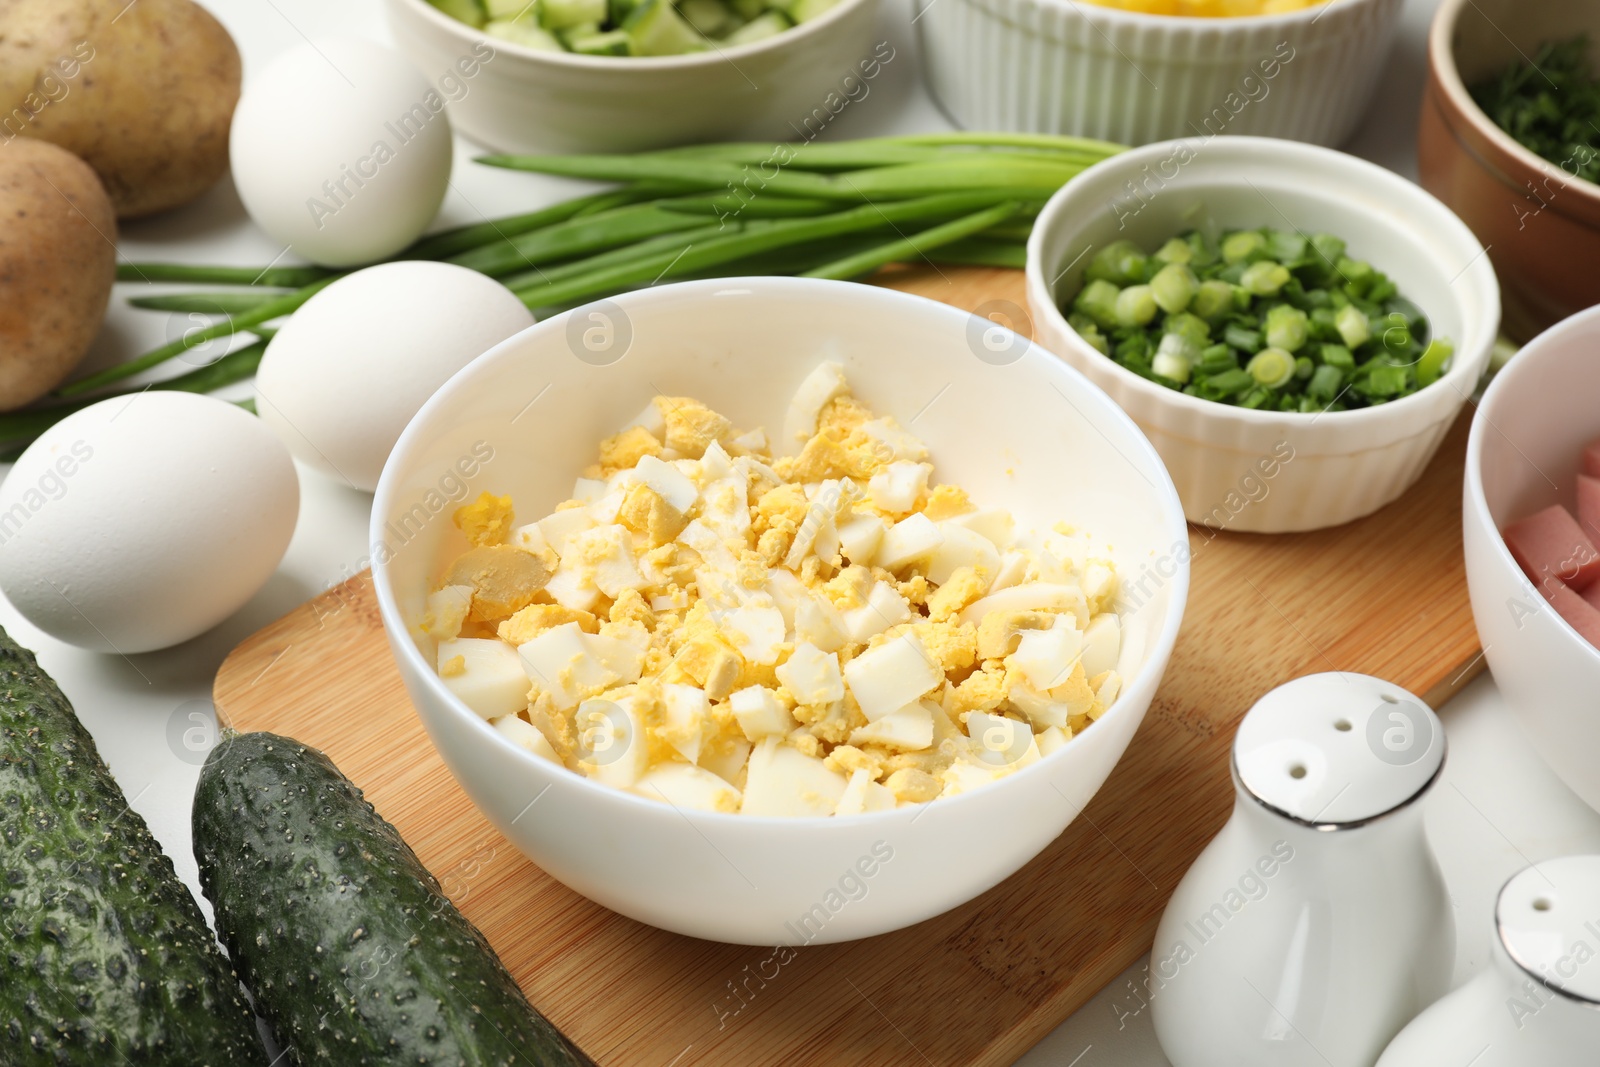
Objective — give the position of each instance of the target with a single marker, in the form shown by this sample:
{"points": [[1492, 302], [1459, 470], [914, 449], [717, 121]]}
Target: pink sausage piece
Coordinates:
{"points": [[1553, 550], [1591, 459], [1589, 506], [1579, 611]]}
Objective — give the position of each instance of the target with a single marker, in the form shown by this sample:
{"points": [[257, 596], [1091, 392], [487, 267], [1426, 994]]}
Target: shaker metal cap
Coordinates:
{"points": [[1337, 750], [1548, 918]]}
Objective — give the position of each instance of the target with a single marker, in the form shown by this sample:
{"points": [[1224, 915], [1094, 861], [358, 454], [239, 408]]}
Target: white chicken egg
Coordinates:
{"points": [[341, 150], [346, 374], [141, 522]]}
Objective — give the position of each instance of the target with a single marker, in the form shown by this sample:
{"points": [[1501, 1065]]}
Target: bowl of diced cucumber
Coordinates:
{"points": [[636, 75]]}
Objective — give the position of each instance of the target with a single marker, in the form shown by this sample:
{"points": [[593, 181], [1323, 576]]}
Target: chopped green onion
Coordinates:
{"points": [[1286, 327], [1271, 368], [1136, 305], [1264, 277], [1173, 287], [1245, 340], [1176, 250], [1119, 262], [1098, 300], [1434, 361]]}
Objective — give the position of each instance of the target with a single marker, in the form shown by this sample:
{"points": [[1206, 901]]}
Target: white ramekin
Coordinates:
{"points": [[997, 412], [1062, 66], [1268, 471], [790, 86]]}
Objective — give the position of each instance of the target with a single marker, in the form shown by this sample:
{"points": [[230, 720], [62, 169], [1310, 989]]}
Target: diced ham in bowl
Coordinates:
{"points": [[1556, 550]]}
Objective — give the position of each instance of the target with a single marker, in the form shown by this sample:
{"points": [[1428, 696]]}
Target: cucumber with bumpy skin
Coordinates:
{"points": [[351, 950], [108, 959]]}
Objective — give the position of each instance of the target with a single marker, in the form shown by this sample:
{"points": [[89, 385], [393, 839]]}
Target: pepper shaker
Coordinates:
{"points": [[1538, 1001], [1316, 924]]}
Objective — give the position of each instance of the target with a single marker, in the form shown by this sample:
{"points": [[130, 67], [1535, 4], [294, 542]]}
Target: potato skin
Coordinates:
{"points": [[142, 92], [58, 258]]}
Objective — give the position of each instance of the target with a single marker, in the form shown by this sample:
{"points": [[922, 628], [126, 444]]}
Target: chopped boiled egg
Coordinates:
{"points": [[685, 713], [887, 677], [960, 547], [825, 382], [485, 674], [760, 713], [859, 537], [684, 785], [898, 486], [885, 607], [812, 675], [861, 794], [560, 529], [446, 610], [1046, 657], [782, 780], [910, 729], [912, 538], [1102, 644], [831, 632], [612, 746], [756, 630], [525, 735]]}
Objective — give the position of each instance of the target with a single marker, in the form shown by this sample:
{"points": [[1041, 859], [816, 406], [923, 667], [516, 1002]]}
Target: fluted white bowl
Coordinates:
{"points": [[1063, 66], [1269, 471]]}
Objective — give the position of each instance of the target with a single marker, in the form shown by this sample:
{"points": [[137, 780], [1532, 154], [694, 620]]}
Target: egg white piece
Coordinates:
{"points": [[139, 523], [346, 374], [341, 150]]}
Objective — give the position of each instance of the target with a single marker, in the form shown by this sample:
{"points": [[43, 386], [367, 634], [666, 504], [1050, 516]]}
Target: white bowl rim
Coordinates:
{"points": [[1159, 649], [616, 64], [1116, 16], [1306, 156], [1532, 352], [1442, 57]]}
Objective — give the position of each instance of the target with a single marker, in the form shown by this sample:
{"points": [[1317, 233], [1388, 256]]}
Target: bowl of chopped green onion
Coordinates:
{"points": [[1509, 137], [1295, 329], [636, 75]]}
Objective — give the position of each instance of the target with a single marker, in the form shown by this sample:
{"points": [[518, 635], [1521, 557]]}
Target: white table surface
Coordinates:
{"points": [[1496, 810]]}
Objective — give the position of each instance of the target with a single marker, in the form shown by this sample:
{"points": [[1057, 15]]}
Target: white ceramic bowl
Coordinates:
{"points": [[1524, 454], [1013, 425], [523, 100], [1064, 66], [1265, 471]]}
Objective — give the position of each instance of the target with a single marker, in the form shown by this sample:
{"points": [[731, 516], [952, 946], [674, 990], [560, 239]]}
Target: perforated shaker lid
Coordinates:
{"points": [[1338, 750], [1548, 918]]}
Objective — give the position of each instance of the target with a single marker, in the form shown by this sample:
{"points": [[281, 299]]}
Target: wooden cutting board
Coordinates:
{"points": [[980, 984]]}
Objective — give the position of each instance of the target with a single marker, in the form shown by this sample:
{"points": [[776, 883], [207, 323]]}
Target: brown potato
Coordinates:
{"points": [[143, 92], [58, 258]]}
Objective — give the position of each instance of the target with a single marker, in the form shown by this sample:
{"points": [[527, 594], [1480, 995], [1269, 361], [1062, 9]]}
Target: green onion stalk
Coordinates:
{"points": [[831, 210]]}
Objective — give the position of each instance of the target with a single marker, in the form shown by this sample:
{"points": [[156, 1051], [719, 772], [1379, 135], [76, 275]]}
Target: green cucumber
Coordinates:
{"points": [[709, 17], [806, 10], [511, 9], [468, 11], [526, 34], [611, 43], [759, 29], [108, 959], [562, 14], [656, 29], [351, 950]]}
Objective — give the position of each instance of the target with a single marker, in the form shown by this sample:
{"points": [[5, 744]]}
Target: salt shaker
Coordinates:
{"points": [[1537, 1004], [1316, 924]]}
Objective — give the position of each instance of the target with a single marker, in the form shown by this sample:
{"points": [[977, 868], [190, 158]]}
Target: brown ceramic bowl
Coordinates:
{"points": [[1540, 224]]}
